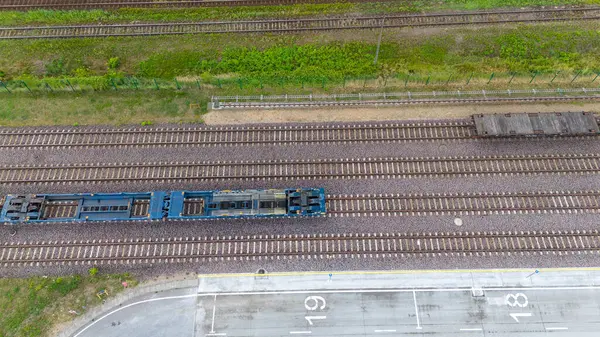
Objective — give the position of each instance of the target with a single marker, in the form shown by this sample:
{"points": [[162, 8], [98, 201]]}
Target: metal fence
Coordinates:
{"points": [[383, 96]]}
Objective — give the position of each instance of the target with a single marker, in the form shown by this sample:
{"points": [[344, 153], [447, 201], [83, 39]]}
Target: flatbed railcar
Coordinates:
{"points": [[162, 205], [536, 124]]}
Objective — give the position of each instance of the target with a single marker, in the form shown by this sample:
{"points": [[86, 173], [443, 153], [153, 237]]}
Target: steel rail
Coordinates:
{"points": [[22, 5], [463, 203], [424, 204], [327, 246], [298, 169], [291, 25], [306, 104], [231, 136]]}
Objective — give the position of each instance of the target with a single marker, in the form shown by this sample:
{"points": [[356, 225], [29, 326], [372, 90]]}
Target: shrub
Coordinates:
{"points": [[114, 63], [82, 72], [145, 123], [56, 67], [65, 286], [93, 271]]}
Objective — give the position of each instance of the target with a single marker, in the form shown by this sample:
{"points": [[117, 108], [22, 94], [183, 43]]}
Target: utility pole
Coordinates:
{"points": [[379, 42]]}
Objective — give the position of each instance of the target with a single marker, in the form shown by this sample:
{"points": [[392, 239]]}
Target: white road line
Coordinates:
{"points": [[417, 310], [216, 334], [300, 332], [352, 291], [212, 327], [130, 305], [471, 329], [558, 328], [385, 330]]}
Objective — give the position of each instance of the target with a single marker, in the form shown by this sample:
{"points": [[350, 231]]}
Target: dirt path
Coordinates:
{"points": [[242, 116]]}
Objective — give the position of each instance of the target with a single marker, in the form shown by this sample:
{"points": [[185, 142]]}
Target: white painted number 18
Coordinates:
{"points": [[312, 303], [516, 300]]}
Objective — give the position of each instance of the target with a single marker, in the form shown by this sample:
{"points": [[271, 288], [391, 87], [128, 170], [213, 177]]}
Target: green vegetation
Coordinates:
{"points": [[256, 12], [100, 81], [107, 107], [546, 48], [31, 306]]}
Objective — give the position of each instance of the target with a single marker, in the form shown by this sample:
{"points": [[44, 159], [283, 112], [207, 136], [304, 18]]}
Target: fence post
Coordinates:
{"points": [[406, 80], [555, 74], [48, 86], [576, 75], [491, 78], [513, 76], [428, 78], [449, 77], [5, 87], [533, 77], [198, 83], [470, 77], [25, 84], [113, 84], [69, 84], [177, 85], [597, 74], [156, 84]]}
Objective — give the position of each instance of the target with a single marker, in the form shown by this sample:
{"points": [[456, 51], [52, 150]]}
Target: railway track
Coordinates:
{"points": [[312, 104], [298, 169], [417, 204], [318, 246], [291, 25], [234, 136], [463, 203], [114, 4]]}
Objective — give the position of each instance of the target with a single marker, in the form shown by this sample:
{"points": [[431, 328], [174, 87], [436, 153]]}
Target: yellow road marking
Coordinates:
{"points": [[396, 272]]}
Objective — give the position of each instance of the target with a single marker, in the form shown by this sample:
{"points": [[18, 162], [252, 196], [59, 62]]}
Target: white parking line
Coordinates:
{"points": [[417, 311], [300, 332], [558, 328], [385, 330], [216, 334], [212, 326], [471, 329]]}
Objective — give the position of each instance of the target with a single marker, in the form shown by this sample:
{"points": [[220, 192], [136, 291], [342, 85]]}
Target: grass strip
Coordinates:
{"points": [[548, 48], [31, 306], [170, 79], [65, 17]]}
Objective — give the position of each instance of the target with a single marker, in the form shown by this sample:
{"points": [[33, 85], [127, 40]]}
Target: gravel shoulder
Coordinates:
{"points": [[389, 113]]}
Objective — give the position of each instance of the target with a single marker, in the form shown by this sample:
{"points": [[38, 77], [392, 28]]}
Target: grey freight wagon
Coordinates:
{"points": [[536, 124]]}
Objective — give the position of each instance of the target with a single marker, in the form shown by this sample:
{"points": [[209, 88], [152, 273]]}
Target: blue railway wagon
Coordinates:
{"points": [[40, 208]]}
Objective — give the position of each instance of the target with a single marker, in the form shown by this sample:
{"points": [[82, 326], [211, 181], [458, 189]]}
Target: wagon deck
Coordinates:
{"points": [[536, 124]]}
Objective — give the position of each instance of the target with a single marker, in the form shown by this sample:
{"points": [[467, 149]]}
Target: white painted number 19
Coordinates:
{"points": [[314, 300], [313, 303]]}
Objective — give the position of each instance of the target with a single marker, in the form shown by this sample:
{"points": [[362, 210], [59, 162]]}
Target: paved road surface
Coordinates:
{"points": [[548, 307]]}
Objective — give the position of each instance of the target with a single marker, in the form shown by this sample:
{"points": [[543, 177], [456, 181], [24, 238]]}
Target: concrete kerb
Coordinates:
{"points": [[122, 298]]}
